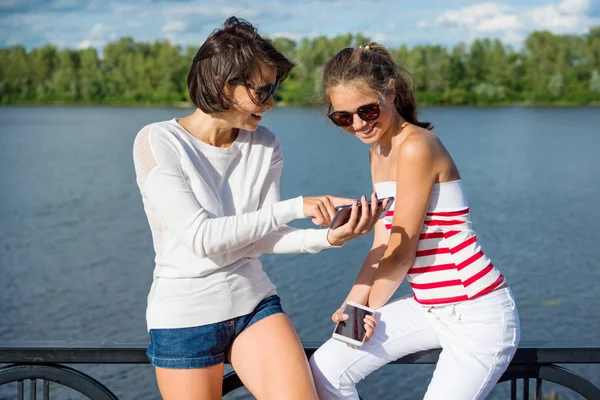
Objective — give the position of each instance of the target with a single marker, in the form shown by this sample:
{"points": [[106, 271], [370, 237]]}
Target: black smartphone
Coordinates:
{"points": [[342, 214]]}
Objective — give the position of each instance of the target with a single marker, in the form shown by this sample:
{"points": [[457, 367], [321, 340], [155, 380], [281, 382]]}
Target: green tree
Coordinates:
{"points": [[91, 76], [595, 82], [16, 76], [477, 62], [43, 61], [556, 86], [65, 79], [549, 68]]}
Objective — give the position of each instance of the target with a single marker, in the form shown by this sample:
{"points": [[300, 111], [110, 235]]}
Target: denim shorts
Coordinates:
{"points": [[206, 345]]}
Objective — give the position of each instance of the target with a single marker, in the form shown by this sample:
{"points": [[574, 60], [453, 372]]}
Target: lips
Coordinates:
{"points": [[257, 116], [365, 132]]}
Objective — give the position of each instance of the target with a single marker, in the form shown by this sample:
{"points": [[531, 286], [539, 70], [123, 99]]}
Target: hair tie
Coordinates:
{"points": [[367, 47]]}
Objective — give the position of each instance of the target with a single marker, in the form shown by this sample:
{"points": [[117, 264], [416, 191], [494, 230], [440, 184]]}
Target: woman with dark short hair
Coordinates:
{"points": [[210, 188]]}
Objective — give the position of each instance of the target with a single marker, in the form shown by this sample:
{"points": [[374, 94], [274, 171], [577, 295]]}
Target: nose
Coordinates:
{"points": [[358, 123], [270, 103]]}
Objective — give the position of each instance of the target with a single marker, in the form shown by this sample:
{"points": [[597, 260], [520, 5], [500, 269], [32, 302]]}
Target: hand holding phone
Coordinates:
{"points": [[352, 330], [342, 215], [322, 208]]}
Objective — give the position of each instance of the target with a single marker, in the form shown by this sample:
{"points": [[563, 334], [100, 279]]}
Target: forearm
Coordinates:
{"points": [[290, 240], [389, 276], [364, 281]]}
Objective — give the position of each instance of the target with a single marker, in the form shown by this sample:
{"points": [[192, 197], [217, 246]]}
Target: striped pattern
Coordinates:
{"points": [[449, 266]]}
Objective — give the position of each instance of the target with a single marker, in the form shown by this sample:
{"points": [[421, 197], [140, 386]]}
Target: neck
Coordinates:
{"points": [[386, 142], [210, 129]]}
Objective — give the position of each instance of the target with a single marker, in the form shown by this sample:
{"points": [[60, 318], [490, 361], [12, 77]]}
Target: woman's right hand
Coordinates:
{"points": [[356, 226], [322, 208]]}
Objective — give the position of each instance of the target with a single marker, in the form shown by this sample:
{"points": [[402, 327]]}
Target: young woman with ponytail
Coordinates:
{"points": [[461, 302]]}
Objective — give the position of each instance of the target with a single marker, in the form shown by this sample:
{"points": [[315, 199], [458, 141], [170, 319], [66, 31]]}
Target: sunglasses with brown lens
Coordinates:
{"points": [[368, 112], [262, 92]]}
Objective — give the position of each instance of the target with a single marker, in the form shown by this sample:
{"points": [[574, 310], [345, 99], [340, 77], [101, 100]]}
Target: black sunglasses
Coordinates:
{"points": [[368, 112], [262, 92]]}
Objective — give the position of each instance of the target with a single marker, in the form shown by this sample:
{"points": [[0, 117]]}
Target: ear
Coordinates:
{"points": [[390, 90]]}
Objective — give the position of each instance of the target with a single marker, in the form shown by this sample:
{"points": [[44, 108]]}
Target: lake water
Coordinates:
{"points": [[75, 249]]}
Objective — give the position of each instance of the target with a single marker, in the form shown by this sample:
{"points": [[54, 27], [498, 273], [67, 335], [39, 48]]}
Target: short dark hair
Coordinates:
{"points": [[234, 52], [373, 65]]}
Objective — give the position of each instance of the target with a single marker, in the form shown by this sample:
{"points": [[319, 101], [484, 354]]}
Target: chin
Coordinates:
{"points": [[371, 139], [250, 126]]}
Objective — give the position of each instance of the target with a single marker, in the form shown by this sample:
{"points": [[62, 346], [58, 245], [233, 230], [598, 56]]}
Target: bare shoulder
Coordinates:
{"points": [[420, 145]]}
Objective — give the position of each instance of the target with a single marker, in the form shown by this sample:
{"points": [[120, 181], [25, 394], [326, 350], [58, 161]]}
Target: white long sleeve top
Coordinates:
{"points": [[212, 211]]}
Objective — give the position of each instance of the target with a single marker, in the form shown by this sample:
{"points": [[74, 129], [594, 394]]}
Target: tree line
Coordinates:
{"points": [[548, 69]]}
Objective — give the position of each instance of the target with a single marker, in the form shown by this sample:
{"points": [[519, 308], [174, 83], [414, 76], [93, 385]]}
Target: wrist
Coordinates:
{"points": [[332, 240], [359, 294]]}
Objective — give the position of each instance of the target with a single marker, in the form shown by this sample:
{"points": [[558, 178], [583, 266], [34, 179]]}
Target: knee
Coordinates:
{"points": [[321, 368], [329, 371]]}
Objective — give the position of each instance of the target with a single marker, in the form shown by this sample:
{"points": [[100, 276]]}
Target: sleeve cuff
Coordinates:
{"points": [[288, 210], [315, 240]]}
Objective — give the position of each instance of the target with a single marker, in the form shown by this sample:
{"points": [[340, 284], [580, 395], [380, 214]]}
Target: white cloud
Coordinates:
{"points": [[175, 26], [189, 22], [98, 36], [512, 24], [192, 23], [286, 35], [574, 6], [100, 32], [502, 22], [378, 37], [513, 37], [84, 44], [552, 18], [472, 16]]}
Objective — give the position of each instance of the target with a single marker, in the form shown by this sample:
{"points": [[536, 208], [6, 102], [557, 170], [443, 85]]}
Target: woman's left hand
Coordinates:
{"points": [[355, 226]]}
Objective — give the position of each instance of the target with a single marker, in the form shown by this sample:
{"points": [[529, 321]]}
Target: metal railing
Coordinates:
{"points": [[29, 362]]}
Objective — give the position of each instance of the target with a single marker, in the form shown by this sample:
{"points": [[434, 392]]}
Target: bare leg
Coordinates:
{"points": [[190, 384], [269, 359]]}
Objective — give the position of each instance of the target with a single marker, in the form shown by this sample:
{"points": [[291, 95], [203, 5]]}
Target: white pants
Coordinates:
{"points": [[478, 339]]}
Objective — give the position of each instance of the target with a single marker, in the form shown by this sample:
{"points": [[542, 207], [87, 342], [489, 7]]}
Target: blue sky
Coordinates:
{"points": [[80, 23]]}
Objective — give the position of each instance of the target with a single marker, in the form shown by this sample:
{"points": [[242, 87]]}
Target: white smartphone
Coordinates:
{"points": [[352, 330]]}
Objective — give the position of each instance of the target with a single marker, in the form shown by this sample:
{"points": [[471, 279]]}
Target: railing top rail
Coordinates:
{"points": [[49, 352]]}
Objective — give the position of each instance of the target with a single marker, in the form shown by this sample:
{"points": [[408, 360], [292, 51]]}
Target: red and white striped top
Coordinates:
{"points": [[449, 266]]}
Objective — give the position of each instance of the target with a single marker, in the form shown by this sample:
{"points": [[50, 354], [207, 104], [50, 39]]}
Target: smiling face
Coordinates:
{"points": [[348, 98], [244, 113]]}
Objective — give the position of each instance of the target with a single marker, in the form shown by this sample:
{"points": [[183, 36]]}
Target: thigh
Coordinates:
{"points": [[190, 384], [269, 359], [478, 343], [463, 375], [189, 361], [402, 329]]}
